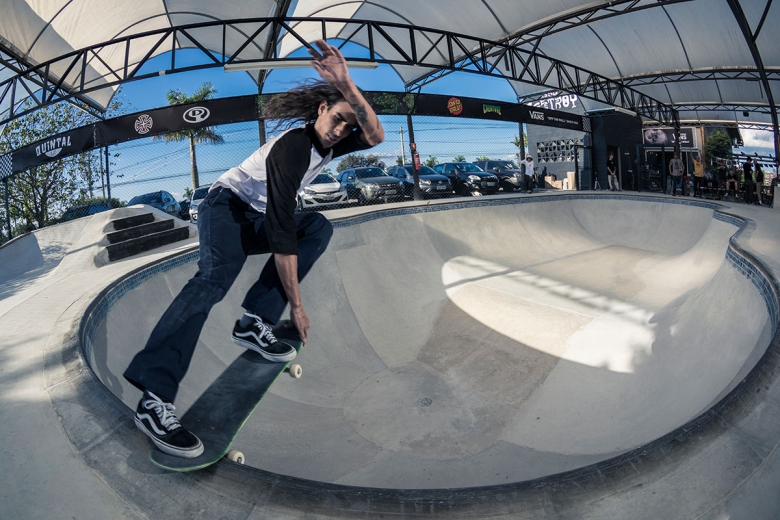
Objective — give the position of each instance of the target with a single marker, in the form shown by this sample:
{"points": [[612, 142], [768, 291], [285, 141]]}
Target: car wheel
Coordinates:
{"points": [[361, 198]]}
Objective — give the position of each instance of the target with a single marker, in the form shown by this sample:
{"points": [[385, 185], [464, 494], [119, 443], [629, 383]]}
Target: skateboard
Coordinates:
{"points": [[220, 413]]}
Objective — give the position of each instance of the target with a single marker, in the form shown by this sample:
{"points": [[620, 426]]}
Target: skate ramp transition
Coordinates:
{"points": [[482, 343]]}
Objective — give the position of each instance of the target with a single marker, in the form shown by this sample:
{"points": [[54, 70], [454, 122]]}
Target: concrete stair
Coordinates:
{"points": [[140, 233]]}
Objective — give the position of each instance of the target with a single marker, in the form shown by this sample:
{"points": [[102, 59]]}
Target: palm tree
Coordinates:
{"points": [[205, 134]]}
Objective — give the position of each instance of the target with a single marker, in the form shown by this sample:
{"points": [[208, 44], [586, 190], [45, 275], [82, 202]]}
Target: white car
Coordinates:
{"points": [[197, 198], [324, 191]]}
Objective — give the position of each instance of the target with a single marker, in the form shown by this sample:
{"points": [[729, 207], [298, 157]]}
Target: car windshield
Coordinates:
{"points": [[369, 172], [424, 170], [146, 198], [509, 165], [200, 193], [323, 178], [468, 167]]}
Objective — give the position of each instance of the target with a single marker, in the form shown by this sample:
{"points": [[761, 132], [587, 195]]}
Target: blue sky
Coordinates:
{"points": [[147, 165]]}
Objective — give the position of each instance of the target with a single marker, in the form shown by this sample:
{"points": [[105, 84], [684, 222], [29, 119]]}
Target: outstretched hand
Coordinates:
{"points": [[330, 63]]}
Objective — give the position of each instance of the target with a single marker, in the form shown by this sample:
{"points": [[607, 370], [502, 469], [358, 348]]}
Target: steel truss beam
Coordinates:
{"points": [[714, 106], [433, 48], [710, 74], [750, 40], [31, 87]]}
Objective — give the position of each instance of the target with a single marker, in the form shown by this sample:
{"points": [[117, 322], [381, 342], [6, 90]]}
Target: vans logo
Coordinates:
{"points": [[52, 147], [539, 116]]}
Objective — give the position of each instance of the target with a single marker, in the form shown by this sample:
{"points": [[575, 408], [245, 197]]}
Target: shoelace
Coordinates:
{"points": [[265, 330], [164, 412]]}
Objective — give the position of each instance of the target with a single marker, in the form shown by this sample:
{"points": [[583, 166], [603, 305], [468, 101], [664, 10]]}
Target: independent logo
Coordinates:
{"points": [[196, 114], [143, 124]]}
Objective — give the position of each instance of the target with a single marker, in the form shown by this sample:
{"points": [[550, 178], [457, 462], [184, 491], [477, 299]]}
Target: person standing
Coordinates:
{"points": [[749, 188], [759, 179], [676, 169], [250, 210], [530, 175], [698, 175], [612, 173], [719, 179]]}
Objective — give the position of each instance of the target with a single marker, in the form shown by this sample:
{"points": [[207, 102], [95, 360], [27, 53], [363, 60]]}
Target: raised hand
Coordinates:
{"points": [[329, 63]]}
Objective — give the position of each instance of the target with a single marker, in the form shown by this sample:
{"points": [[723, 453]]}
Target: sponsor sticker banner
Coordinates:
{"points": [[665, 137], [53, 148], [458, 106], [175, 118]]}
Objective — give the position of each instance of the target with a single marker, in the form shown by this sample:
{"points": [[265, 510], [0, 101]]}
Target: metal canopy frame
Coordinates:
{"points": [[533, 34], [462, 53], [36, 80], [750, 40]]}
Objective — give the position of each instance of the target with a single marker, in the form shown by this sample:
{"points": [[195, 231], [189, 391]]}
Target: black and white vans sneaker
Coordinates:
{"points": [[156, 418], [261, 339]]}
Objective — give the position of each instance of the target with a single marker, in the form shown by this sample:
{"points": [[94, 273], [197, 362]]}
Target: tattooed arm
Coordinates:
{"points": [[332, 66]]}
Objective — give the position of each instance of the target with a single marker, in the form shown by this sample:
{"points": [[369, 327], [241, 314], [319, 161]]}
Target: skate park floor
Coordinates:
{"points": [[552, 356]]}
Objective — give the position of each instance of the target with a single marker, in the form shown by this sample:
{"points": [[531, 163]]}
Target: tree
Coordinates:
{"points": [[520, 142], [483, 158], [188, 193], [431, 161], [204, 134], [459, 158], [357, 160], [38, 195], [718, 145]]}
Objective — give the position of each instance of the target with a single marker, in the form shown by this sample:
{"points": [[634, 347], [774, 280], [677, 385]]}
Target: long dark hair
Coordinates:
{"points": [[301, 104]]}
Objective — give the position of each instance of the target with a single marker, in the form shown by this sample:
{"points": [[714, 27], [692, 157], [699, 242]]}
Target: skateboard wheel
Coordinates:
{"points": [[295, 370], [236, 456]]}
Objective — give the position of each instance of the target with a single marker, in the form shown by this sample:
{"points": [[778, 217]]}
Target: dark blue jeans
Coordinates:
{"points": [[230, 230]]}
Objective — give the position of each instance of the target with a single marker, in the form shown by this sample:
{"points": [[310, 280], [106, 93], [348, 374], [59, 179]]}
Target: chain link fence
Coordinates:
{"points": [[152, 170]]}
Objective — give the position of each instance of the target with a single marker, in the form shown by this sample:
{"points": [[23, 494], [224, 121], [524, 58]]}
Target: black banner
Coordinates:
{"points": [[175, 118], [665, 137], [471, 108], [53, 148]]}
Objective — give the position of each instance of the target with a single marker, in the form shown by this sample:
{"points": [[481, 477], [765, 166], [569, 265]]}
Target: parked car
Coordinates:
{"points": [[184, 209], [197, 197], [468, 178], [161, 200], [323, 192], [431, 183], [510, 177], [91, 208], [370, 184]]}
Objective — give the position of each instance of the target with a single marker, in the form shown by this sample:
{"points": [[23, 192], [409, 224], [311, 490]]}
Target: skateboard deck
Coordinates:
{"points": [[220, 413]]}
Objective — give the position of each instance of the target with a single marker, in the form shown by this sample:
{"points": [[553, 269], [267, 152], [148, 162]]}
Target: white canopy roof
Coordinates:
{"points": [[682, 53]]}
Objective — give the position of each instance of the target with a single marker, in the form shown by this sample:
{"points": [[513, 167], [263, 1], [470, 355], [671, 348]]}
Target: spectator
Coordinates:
{"points": [[759, 174], [719, 179], [698, 175], [749, 188], [676, 169], [528, 167], [731, 183], [612, 173]]}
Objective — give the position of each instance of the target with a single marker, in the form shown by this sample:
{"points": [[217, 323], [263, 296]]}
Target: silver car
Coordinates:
{"points": [[197, 198], [323, 192]]}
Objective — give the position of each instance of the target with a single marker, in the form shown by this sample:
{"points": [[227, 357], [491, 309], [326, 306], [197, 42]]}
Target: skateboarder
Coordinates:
{"points": [[250, 209]]}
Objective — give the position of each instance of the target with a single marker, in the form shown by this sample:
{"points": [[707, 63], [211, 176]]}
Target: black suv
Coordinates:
{"points": [[431, 183], [370, 184], [510, 177], [468, 178]]}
